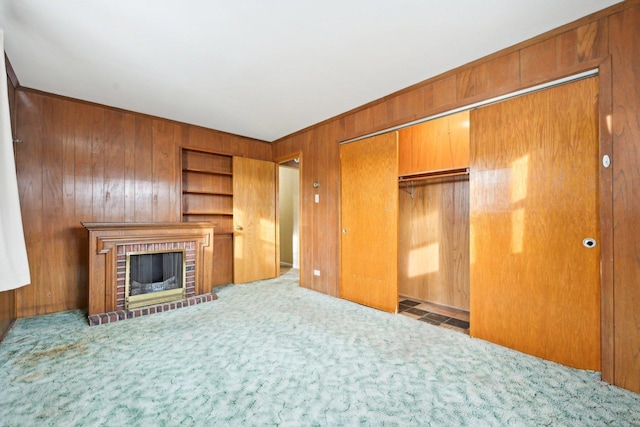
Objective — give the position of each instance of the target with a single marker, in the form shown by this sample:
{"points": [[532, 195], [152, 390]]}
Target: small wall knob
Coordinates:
{"points": [[589, 243]]}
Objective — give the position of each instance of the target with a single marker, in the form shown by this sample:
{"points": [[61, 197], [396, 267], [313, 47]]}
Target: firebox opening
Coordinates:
{"points": [[154, 277]]}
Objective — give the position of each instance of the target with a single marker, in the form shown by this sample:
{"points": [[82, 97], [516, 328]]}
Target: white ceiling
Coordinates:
{"points": [[259, 68]]}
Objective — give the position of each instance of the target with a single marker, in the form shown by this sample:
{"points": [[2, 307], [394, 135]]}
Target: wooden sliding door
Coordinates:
{"points": [[254, 220], [533, 200], [369, 221]]}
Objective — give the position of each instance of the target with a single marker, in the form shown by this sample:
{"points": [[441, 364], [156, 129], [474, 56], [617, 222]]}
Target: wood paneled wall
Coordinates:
{"points": [[611, 34], [624, 33], [85, 162], [319, 222]]}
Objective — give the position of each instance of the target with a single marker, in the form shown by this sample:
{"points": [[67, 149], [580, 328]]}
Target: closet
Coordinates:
{"points": [[497, 215], [433, 220]]}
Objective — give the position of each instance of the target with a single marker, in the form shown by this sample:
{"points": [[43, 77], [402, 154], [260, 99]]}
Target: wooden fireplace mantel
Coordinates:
{"points": [[105, 237]]}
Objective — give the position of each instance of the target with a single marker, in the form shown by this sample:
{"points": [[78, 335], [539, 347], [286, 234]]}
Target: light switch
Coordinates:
{"points": [[316, 272], [316, 198]]}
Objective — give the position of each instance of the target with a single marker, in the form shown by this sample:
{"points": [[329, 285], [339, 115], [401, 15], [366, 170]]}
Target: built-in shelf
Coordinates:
{"points": [[210, 192], [207, 187], [206, 172], [207, 195]]}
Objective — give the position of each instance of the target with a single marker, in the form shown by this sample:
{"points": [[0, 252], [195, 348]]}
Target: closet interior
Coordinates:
{"points": [[433, 215]]}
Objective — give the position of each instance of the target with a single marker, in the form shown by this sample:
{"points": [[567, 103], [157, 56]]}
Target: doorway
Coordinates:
{"points": [[289, 214]]}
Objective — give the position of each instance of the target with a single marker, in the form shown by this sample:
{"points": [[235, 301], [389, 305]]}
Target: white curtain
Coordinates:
{"points": [[14, 265]]}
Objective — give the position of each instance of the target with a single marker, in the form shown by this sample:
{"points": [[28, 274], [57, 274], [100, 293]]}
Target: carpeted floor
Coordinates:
{"points": [[272, 353]]}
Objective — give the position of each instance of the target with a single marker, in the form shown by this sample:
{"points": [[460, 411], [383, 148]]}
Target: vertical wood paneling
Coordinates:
{"points": [[433, 241], [607, 313], [7, 311], [29, 169], [165, 172], [625, 45], [83, 162], [114, 167], [53, 203], [319, 229], [75, 251], [223, 259], [97, 163], [143, 189]]}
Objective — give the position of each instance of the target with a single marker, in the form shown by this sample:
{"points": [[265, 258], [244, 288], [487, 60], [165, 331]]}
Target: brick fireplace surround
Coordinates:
{"points": [[109, 244]]}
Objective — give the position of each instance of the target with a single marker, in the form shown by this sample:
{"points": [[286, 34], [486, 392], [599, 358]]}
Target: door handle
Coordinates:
{"points": [[239, 227], [589, 243]]}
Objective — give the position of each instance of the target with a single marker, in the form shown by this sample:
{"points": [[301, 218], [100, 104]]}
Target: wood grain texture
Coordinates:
{"points": [[103, 239], [607, 309], [435, 145], [84, 162], [433, 241], [30, 170], [533, 199], [319, 222], [7, 312], [581, 45], [625, 45], [254, 219], [223, 260], [369, 214]]}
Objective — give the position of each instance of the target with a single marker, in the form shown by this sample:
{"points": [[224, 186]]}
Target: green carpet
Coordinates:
{"points": [[272, 353]]}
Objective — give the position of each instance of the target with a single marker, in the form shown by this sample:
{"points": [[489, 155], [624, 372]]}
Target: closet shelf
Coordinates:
{"points": [[443, 173], [207, 171]]}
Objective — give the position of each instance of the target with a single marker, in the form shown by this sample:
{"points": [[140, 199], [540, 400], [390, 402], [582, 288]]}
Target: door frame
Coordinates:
{"points": [[278, 161]]}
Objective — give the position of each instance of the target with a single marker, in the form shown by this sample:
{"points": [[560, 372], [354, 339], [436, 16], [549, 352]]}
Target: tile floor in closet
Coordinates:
{"points": [[445, 317]]}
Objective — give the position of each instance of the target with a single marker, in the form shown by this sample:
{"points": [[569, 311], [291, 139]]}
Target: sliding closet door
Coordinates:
{"points": [[369, 221], [533, 200]]}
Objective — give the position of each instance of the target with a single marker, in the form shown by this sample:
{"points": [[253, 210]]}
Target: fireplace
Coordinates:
{"points": [[145, 268], [154, 277]]}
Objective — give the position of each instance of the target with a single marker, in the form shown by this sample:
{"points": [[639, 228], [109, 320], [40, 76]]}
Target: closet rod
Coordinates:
{"points": [[433, 175]]}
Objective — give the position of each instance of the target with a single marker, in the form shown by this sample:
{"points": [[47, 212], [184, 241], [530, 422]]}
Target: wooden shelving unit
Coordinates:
{"points": [[207, 195], [207, 188]]}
